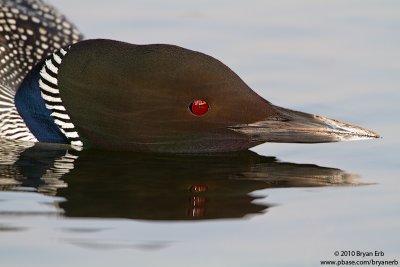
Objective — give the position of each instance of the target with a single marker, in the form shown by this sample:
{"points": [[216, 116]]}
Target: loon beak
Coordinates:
{"points": [[289, 126]]}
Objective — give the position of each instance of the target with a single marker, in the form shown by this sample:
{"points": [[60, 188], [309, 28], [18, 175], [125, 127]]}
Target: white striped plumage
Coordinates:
{"points": [[51, 94], [12, 125]]}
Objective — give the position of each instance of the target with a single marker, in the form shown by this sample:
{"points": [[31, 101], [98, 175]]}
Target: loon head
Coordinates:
{"points": [[162, 98]]}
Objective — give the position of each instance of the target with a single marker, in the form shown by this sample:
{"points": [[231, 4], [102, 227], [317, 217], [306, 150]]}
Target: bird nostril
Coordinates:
{"points": [[199, 107]]}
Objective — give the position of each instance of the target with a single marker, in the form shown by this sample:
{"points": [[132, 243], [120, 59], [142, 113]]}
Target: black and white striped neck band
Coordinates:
{"points": [[50, 92]]}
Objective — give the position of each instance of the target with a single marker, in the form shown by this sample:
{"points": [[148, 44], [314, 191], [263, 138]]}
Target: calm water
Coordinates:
{"points": [[278, 205]]}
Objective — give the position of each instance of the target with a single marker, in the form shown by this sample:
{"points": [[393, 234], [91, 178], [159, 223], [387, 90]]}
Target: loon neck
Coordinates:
{"points": [[32, 108], [39, 102]]}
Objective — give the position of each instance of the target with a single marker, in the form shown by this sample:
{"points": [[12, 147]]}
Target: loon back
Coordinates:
{"points": [[29, 31]]}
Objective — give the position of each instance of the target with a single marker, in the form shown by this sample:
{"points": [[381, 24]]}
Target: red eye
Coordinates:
{"points": [[199, 107]]}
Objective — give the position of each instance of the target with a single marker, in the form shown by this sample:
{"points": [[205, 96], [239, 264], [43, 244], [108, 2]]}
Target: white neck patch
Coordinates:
{"points": [[50, 92]]}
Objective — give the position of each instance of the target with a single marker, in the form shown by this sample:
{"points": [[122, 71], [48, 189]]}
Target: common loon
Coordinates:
{"points": [[111, 95]]}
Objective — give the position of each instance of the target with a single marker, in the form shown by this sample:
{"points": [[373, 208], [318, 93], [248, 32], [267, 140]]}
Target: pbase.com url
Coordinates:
{"points": [[370, 262]]}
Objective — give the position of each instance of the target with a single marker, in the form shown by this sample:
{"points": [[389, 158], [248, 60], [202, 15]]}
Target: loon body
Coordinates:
{"points": [[29, 31], [158, 98]]}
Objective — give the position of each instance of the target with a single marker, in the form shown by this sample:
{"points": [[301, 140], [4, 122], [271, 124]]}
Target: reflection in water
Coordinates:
{"points": [[107, 244], [155, 186], [39, 166]]}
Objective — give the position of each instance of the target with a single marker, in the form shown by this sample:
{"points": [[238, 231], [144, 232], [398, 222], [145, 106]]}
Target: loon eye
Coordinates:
{"points": [[199, 107]]}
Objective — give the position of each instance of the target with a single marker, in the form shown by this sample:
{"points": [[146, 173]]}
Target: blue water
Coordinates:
{"points": [[340, 59]]}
